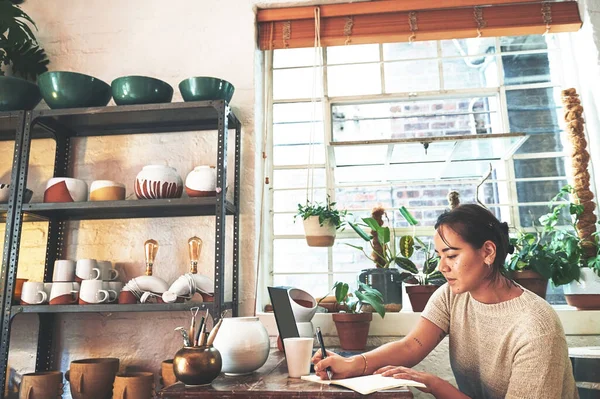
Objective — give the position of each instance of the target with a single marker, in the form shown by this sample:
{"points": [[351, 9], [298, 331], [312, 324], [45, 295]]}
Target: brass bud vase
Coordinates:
{"points": [[198, 365]]}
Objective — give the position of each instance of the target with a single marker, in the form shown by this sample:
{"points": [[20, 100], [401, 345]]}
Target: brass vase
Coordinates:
{"points": [[198, 365]]}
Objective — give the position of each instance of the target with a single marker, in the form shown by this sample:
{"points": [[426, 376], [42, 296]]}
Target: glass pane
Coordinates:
{"points": [[463, 73], [291, 155], [285, 223], [348, 259], [534, 110], [353, 80], [530, 215], [400, 77], [492, 148], [409, 51], [288, 200], [543, 167], [297, 83], [352, 54], [298, 133], [538, 191], [540, 142], [361, 155], [415, 152], [527, 43], [468, 169], [296, 178], [365, 197], [295, 255], [522, 69], [392, 173], [468, 47], [316, 284], [297, 112], [295, 57]]}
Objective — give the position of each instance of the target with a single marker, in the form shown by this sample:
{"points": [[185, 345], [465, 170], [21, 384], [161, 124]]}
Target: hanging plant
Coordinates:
{"points": [[320, 222]]}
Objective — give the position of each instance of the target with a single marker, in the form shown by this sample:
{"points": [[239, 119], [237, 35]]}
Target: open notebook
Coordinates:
{"points": [[366, 384]]}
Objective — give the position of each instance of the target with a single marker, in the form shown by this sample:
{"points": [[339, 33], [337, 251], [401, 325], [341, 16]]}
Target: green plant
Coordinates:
{"points": [[364, 295], [325, 212], [18, 46], [532, 253]]}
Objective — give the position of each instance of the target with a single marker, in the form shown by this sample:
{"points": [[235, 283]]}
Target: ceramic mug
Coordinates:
{"points": [[41, 385], [33, 293], [64, 270], [107, 273], [63, 293], [113, 288], [92, 292], [87, 269], [92, 378]]}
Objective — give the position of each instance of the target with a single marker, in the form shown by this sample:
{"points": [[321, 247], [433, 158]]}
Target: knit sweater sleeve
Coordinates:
{"points": [[540, 370], [437, 309]]}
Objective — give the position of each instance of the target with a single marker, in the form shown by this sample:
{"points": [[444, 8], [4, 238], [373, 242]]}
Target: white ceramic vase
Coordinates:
{"points": [[107, 190], [158, 181], [317, 235], [65, 189], [243, 343], [201, 182], [589, 284]]}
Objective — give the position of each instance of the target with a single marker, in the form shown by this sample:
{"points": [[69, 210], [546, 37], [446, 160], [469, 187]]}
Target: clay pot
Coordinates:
{"points": [[201, 182], [92, 378], [42, 385], [199, 365], [138, 385], [18, 290], [353, 329], [585, 293], [167, 374], [158, 181], [532, 281], [317, 235], [419, 295], [107, 190], [65, 189]]}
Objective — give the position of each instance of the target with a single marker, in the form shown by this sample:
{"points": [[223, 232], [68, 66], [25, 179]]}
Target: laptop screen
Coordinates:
{"points": [[284, 317]]}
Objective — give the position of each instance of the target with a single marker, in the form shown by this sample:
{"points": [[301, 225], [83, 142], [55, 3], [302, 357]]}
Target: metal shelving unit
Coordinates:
{"points": [[62, 126]]}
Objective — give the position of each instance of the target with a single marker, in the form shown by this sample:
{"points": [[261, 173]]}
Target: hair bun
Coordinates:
{"points": [[504, 227], [510, 249]]}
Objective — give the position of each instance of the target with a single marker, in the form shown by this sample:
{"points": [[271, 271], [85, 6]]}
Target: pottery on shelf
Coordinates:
{"points": [[201, 182], [198, 365], [187, 285], [242, 353], [61, 89], [158, 181], [5, 193], [107, 190], [18, 94], [206, 88], [131, 90], [65, 189]]}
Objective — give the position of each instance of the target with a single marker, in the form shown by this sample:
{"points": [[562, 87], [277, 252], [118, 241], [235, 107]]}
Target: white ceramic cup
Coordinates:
{"points": [[113, 289], [33, 293], [298, 352], [87, 269], [92, 291], [107, 273], [63, 293], [64, 270], [48, 289]]}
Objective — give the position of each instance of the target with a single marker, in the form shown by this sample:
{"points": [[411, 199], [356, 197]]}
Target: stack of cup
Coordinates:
{"points": [[98, 281], [63, 289]]}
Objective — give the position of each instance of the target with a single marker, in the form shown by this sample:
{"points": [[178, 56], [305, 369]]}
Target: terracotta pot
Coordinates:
{"points": [[419, 295], [65, 189], [317, 235], [107, 190], [585, 293], [138, 385], [199, 365], [353, 329], [158, 181], [92, 378], [531, 280], [201, 182], [167, 374], [18, 290], [330, 303], [42, 385]]}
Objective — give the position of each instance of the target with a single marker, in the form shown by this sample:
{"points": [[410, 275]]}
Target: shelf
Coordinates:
{"points": [[8, 124], [133, 119], [104, 308], [127, 209]]}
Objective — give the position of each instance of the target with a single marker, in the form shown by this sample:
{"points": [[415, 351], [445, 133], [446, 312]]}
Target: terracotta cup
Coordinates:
{"points": [[139, 385], [167, 374], [92, 378], [42, 385]]}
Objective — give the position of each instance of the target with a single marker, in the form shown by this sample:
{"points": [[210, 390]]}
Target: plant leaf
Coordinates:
{"points": [[407, 246], [406, 264], [373, 300], [408, 217], [360, 232]]}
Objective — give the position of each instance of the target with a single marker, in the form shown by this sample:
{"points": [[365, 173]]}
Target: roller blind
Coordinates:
{"points": [[408, 20]]}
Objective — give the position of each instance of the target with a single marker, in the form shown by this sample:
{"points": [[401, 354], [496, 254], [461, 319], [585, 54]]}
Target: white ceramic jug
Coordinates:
{"points": [[243, 343]]}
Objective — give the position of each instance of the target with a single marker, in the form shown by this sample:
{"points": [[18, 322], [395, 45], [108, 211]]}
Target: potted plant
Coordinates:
{"points": [[320, 222], [532, 262], [353, 325]]}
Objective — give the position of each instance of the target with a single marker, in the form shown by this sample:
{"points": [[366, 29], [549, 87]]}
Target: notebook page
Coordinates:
{"points": [[366, 384]]}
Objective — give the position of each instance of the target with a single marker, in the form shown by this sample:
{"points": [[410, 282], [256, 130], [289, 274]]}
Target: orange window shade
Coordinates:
{"points": [[357, 24]]}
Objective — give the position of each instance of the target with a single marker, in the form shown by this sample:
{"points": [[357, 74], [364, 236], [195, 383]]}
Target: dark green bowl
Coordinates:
{"points": [[18, 94], [203, 88], [73, 90], [130, 90]]}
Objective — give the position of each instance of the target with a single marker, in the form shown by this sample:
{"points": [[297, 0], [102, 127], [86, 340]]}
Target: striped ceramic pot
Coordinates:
{"points": [[158, 181]]}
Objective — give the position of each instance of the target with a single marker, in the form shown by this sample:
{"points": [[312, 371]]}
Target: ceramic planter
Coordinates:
{"points": [[585, 294], [107, 190], [531, 280], [419, 295], [92, 378], [158, 181], [65, 189], [317, 235], [201, 182], [353, 329], [243, 343]]}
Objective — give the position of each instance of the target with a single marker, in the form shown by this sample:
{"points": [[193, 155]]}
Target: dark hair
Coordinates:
{"points": [[476, 225]]}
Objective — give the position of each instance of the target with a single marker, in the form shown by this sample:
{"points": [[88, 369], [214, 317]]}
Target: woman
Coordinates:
{"points": [[505, 342]]}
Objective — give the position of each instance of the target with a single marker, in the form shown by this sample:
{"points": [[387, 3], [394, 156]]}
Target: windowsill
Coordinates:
{"points": [[575, 322]]}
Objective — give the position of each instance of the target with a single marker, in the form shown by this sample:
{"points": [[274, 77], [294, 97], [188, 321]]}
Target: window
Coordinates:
{"points": [[450, 88]]}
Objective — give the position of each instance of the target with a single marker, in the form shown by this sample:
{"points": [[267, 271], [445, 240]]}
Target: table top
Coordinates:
{"points": [[271, 382]]}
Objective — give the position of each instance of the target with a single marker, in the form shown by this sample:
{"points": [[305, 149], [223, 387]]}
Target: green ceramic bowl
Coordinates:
{"points": [[130, 90], [203, 88], [73, 90], [18, 94]]}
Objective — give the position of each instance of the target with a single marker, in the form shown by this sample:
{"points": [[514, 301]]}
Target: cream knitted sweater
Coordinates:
{"points": [[513, 349]]}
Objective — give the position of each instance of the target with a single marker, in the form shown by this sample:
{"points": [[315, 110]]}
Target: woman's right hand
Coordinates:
{"points": [[341, 367]]}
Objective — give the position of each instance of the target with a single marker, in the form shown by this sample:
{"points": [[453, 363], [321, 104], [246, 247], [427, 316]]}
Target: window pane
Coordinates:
{"points": [[530, 215], [316, 284], [522, 69], [468, 47], [542, 142], [352, 54], [297, 133], [285, 223], [296, 178], [462, 73], [352, 80], [291, 155], [297, 112], [538, 191], [361, 155], [294, 57], [534, 110], [409, 51], [527, 43], [348, 259], [543, 167], [400, 77], [297, 83], [468, 169], [295, 255], [415, 152], [288, 200]]}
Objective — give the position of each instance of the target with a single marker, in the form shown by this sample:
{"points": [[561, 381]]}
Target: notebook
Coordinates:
{"points": [[366, 384]]}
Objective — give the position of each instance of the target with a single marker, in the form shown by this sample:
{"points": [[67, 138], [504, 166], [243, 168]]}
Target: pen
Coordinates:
{"points": [[323, 351]]}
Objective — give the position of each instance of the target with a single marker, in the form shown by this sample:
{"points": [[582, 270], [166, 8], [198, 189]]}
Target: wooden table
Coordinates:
{"points": [[271, 382]]}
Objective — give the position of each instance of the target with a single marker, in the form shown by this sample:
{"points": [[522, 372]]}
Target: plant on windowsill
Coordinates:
{"points": [[320, 222], [353, 325]]}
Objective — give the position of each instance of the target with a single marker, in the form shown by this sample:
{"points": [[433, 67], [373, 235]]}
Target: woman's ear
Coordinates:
{"points": [[489, 252]]}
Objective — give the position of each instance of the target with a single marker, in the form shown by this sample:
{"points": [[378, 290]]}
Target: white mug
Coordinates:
{"points": [[63, 293], [87, 269], [33, 293], [92, 291], [107, 273], [48, 289], [64, 270], [298, 352], [113, 288]]}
